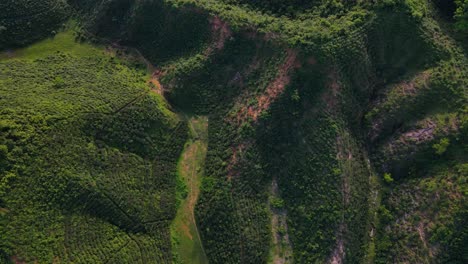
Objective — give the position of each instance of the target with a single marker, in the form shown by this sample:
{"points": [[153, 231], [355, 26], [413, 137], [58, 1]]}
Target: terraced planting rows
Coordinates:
{"points": [[97, 176], [25, 21], [233, 132]]}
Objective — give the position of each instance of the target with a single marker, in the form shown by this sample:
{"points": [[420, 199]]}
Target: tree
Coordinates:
{"points": [[3, 157], [59, 82], [461, 15], [441, 147], [388, 178], [3, 152]]}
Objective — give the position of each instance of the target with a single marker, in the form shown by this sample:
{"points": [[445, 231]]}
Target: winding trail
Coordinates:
{"points": [[188, 247]]}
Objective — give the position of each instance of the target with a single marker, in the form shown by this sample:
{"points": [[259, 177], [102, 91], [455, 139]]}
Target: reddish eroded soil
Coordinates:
{"points": [[154, 83], [220, 33], [273, 91], [115, 49], [409, 87], [422, 236], [16, 260]]}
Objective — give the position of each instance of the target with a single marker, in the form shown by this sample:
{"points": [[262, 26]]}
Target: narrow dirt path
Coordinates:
{"points": [[188, 247], [186, 241], [281, 251], [375, 200]]}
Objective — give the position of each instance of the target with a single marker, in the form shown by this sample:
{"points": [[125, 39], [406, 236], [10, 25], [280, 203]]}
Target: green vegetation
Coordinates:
{"points": [[64, 41], [160, 31], [337, 131], [188, 246], [441, 147], [416, 219], [388, 178], [83, 139], [25, 21], [461, 15], [232, 211], [277, 203]]}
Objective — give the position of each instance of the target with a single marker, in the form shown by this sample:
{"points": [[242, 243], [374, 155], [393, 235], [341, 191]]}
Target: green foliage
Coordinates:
{"points": [[59, 82], [414, 220], [91, 158], [278, 7], [295, 96], [199, 89], [160, 31], [461, 15], [441, 147], [418, 8], [3, 152], [309, 172], [277, 203], [25, 21], [232, 215], [88, 155], [388, 178]]}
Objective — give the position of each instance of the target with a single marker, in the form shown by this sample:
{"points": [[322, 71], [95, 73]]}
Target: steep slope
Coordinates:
{"points": [[309, 136], [336, 133], [88, 157]]}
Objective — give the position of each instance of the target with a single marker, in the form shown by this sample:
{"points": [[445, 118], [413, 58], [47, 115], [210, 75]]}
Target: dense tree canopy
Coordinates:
{"points": [[24, 21], [461, 15], [233, 131]]}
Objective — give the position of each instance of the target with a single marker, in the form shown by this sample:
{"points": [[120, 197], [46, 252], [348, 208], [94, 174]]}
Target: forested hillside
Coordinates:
{"points": [[233, 131], [25, 21], [89, 157]]}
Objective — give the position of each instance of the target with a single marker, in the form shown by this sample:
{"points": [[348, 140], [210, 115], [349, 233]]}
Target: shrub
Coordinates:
{"points": [[59, 82], [441, 147], [277, 203], [461, 15], [3, 152], [388, 178]]}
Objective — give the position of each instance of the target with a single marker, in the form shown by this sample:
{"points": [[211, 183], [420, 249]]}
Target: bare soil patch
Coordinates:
{"points": [[273, 91]]}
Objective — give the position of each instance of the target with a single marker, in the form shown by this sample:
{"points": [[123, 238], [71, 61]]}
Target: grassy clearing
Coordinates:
{"points": [[62, 42], [187, 242]]}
